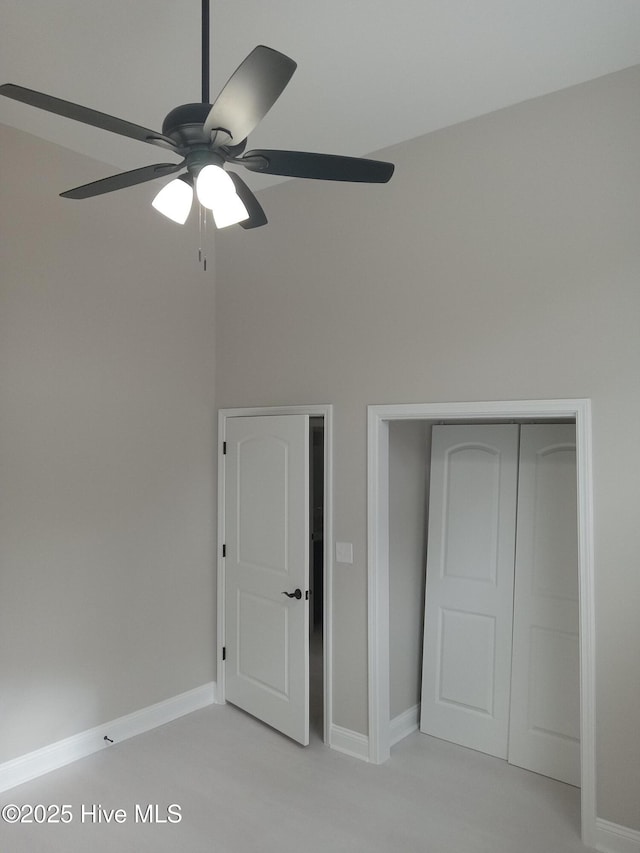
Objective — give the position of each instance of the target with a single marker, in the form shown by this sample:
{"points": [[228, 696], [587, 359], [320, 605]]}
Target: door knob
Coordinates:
{"points": [[296, 594]]}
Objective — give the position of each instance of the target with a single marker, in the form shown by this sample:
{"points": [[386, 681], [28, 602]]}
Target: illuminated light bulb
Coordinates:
{"points": [[216, 192], [174, 200]]}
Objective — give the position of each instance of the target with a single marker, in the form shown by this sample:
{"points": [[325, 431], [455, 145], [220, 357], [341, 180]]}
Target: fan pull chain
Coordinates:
{"points": [[203, 227], [206, 224]]}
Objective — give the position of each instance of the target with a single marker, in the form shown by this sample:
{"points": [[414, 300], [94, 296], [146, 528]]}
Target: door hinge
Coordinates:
{"points": [[224, 448], [224, 653], [224, 550]]}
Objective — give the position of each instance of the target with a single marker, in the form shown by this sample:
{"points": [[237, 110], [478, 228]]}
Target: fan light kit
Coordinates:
{"points": [[208, 136], [175, 199]]}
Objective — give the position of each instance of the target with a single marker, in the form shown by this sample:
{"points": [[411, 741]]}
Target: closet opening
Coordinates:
{"points": [[483, 589], [398, 500]]}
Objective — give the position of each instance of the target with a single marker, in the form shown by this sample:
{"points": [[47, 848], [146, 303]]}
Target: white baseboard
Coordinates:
{"points": [[613, 838], [85, 743], [404, 724], [349, 742]]}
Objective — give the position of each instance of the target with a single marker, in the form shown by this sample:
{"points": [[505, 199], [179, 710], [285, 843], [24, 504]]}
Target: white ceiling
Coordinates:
{"points": [[370, 73]]}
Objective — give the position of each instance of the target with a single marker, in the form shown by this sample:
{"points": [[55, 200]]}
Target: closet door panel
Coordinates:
{"points": [[545, 700], [469, 586]]}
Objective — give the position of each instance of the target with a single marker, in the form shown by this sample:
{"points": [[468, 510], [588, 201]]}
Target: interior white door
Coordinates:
{"points": [[469, 588], [545, 690], [266, 563]]}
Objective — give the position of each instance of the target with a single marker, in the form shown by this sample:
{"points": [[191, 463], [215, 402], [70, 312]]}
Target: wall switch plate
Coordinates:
{"points": [[344, 552]]}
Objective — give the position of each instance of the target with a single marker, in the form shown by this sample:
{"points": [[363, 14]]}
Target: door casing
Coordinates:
{"points": [[325, 412], [378, 420]]}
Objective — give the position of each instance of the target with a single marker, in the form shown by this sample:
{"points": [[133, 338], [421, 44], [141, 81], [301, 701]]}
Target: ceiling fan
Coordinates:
{"points": [[207, 137]]}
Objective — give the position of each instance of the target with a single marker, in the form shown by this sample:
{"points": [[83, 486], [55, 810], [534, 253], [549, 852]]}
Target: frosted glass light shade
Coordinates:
{"points": [[174, 200], [216, 191]]}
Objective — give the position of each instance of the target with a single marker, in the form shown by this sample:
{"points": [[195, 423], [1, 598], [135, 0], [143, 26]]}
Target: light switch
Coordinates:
{"points": [[344, 552]]}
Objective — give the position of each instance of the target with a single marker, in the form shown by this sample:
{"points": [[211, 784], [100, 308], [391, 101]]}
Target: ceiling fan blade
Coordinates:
{"points": [[236, 150], [250, 92], [257, 216], [123, 179], [85, 115], [324, 167]]}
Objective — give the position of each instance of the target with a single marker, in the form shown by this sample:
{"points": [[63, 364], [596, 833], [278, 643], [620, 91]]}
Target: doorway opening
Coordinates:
{"points": [[316, 575], [379, 420], [318, 589]]}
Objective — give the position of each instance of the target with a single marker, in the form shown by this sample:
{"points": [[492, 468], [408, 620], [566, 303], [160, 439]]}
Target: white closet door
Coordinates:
{"points": [[469, 587], [545, 705]]}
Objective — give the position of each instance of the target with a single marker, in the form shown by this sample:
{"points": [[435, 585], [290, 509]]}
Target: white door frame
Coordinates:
{"points": [[325, 412], [378, 420]]}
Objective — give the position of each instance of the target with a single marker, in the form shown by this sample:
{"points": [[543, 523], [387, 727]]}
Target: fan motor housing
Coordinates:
{"points": [[184, 124]]}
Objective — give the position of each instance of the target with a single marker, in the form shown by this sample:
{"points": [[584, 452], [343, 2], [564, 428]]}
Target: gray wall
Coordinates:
{"points": [[106, 436], [501, 262]]}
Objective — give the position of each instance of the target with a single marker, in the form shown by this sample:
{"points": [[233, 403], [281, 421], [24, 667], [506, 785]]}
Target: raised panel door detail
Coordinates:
{"points": [[554, 673], [256, 659], [555, 537], [472, 495], [467, 660], [263, 503]]}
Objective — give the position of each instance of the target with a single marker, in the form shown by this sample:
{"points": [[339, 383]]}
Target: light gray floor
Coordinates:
{"points": [[242, 787]]}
